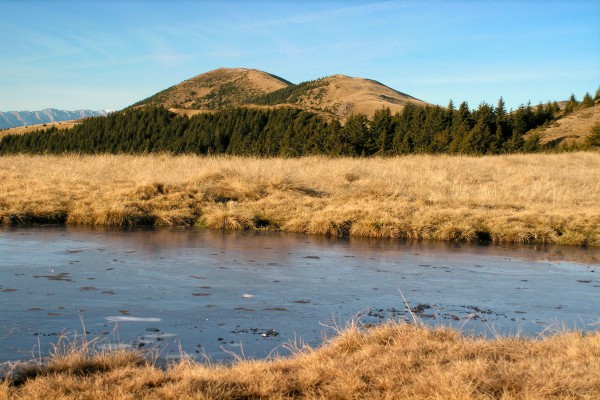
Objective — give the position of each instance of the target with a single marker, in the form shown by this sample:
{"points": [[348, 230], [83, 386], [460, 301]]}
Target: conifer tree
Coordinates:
{"points": [[587, 101], [523, 119], [382, 130], [360, 141], [451, 109], [461, 124], [500, 110], [571, 105], [593, 140]]}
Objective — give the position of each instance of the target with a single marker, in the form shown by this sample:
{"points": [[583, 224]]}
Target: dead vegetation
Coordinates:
{"points": [[570, 130], [21, 130], [549, 198], [383, 362]]}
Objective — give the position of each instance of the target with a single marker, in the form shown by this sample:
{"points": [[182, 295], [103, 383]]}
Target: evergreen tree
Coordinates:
{"points": [[332, 143], [480, 139], [358, 136], [500, 110], [401, 143], [461, 125], [571, 105], [382, 130], [515, 143], [532, 144], [587, 101], [593, 140], [451, 109], [523, 119]]}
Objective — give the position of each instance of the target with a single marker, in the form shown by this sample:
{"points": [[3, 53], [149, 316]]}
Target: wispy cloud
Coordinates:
{"points": [[328, 14]]}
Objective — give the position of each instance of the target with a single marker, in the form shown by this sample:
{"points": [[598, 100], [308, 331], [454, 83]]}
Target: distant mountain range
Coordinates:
{"points": [[12, 119]]}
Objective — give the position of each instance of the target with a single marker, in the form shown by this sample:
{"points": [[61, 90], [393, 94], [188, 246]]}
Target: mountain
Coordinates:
{"points": [[336, 96], [341, 96], [13, 119], [223, 87]]}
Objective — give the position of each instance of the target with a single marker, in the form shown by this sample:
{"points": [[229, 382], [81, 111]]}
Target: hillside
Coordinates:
{"points": [[342, 96], [13, 119], [573, 128], [223, 87], [336, 96], [20, 130]]}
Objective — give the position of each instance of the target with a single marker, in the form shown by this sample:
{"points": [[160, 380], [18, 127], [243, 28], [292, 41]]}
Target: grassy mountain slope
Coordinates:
{"points": [[570, 129], [343, 96], [337, 96], [223, 87]]}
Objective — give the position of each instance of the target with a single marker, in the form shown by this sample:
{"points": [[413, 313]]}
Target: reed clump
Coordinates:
{"points": [[545, 198], [393, 360]]}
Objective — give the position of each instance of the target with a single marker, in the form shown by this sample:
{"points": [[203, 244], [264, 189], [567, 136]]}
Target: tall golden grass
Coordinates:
{"points": [[550, 198], [391, 361]]}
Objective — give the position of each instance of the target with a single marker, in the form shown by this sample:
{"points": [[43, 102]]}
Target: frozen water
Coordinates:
{"points": [[206, 292]]}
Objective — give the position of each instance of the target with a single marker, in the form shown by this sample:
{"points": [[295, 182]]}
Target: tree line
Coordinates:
{"points": [[290, 132]]}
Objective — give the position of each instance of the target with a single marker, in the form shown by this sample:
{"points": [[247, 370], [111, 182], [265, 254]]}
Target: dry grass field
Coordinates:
{"points": [[552, 198], [20, 130], [391, 361]]}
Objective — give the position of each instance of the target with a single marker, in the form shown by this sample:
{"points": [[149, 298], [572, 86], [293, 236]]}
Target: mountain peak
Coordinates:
{"points": [[343, 95], [338, 95], [222, 87]]}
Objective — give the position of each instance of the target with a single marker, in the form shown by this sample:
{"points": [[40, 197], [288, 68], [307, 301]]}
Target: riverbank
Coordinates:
{"points": [[545, 198], [386, 361]]}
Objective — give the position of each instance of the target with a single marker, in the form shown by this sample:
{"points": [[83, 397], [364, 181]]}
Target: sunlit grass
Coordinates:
{"points": [[393, 360], [553, 198]]}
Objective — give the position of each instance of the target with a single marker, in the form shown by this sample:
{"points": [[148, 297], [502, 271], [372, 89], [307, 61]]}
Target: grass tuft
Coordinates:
{"points": [[392, 360]]}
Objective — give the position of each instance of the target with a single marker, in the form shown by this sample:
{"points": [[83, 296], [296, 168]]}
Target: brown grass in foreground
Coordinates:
{"points": [[390, 361], [553, 198]]}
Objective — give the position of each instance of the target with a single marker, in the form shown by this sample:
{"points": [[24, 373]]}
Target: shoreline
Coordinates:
{"points": [[482, 237]]}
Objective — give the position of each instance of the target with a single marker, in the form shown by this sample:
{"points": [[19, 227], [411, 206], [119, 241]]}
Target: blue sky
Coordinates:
{"points": [[110, 54]]}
